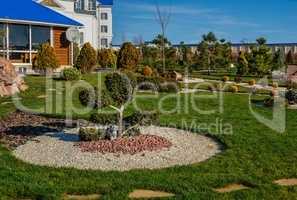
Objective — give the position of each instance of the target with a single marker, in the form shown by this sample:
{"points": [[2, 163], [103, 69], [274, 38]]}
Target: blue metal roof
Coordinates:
{"points": [[29, 11], [106, 2]]}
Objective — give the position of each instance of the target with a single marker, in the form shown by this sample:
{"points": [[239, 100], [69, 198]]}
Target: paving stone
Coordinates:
{"points": [[231, 188], [82, 197], [142, 194], [286, 182]]}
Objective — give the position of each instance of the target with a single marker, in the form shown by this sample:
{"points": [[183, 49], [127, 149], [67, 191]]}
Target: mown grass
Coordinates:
{"points": [[254, 155]]}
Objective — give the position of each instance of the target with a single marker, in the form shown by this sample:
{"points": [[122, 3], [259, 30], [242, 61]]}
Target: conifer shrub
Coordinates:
{"points": [[71, 74], [107, 58], [252, 82], [225, 79], [87, 59], [128, 57], [147, 71], [46, 58]]}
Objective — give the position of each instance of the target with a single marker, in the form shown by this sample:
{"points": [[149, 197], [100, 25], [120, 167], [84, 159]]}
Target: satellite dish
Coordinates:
{"points": [[73, 35]]}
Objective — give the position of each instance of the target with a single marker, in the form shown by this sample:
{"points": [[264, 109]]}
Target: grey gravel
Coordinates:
{"points": [[59, 150]]}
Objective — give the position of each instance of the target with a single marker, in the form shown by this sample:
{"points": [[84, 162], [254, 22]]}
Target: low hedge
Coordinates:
{"points": [[71, 74]]}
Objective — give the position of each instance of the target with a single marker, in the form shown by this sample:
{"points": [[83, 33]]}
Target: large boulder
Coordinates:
{"points": [[10, 81]]}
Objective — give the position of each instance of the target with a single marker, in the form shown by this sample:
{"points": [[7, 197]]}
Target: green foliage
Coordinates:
{"points": [[107, 58], [119, 87], [129, 57], [149, 83], [104, 118], [87, 134], [260, 59], [94, 98], [159, 40], [279, 60], [142, 119], [291, 96], [242, 64], [87, 59], [169, 87], [46, 58], [186, 55], [269, 102], [71, 74]]}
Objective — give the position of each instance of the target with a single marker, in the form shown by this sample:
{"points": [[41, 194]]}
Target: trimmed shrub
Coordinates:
{"points": [[87, 59], [46, 58], [91, 134], [233, 89], [169, 88], [94, 98], [128, 57], [119, 87], [252, 82], [225, 79], [291, 96], [104, 118], [71, 74], [107, 58], [147, 71], [149, 83], [142, 119]]}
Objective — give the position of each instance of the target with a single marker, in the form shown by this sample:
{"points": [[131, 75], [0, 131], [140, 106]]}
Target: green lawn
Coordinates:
{"points": [[254, 155]]}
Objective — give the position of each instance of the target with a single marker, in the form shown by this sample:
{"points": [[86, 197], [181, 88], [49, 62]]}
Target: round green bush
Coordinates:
{"points": [[71, 74], [104, 118], [94, 98], [91, 134], [169, 88]]}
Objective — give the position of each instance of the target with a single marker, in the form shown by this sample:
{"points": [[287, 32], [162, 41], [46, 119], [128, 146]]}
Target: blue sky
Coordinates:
{"points": [[234, 20]]}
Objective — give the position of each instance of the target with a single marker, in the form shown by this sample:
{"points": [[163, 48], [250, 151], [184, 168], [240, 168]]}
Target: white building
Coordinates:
{"points": [[95, 15]]}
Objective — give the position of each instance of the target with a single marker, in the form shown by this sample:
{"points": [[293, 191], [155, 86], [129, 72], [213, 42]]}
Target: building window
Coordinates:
{"points": [[104, 16], [18, 37], [19, 57], [40, 35], [92, 5], [104, 29], [104, 42]]}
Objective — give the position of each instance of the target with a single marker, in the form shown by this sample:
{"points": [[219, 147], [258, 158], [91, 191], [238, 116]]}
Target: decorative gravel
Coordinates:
{"points": [[128, 145], [60, 150]]}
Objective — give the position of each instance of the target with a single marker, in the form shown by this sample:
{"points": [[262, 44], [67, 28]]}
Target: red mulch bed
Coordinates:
{"points": [[19, 127], [131, 145]]}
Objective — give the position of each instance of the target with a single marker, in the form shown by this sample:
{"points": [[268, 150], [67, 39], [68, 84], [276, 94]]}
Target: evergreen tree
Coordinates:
{"points": [[46, 59], [278, 61], [242, 64], [290, 58], [128, 57], [87, 59], [107, 58]]}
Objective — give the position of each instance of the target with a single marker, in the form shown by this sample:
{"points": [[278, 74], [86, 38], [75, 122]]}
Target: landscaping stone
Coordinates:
{"points": [[10, 81], [145, 194], [286, 182], [82, 197], [231, 188], [60, 150]]}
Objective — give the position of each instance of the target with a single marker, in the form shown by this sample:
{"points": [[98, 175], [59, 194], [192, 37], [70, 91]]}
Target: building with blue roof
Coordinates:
{"points": [[27, 24]]}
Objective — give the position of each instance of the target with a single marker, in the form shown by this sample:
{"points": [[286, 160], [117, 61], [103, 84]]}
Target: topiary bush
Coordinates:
{"points": [[104, 118], [143, 119], [169, 88], [225, 79], [46, 58], [128, 57], [291, 96], [87, 59], [107, 58], [233, 89], [147, 71], [149, 83], [91, 134], [71, 74], [252, 82], [94, 98]]}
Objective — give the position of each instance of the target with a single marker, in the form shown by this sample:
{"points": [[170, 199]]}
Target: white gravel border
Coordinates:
{"points": [[58, 150]]}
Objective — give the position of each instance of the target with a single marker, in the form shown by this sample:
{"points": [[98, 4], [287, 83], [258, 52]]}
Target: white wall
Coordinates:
{"points": [[108, 23]]}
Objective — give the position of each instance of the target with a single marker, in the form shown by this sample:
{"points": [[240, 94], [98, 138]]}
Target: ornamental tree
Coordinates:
{"points": [[121, 90], [87, 59], [128, 57], [107, 58], [46, 58]]}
